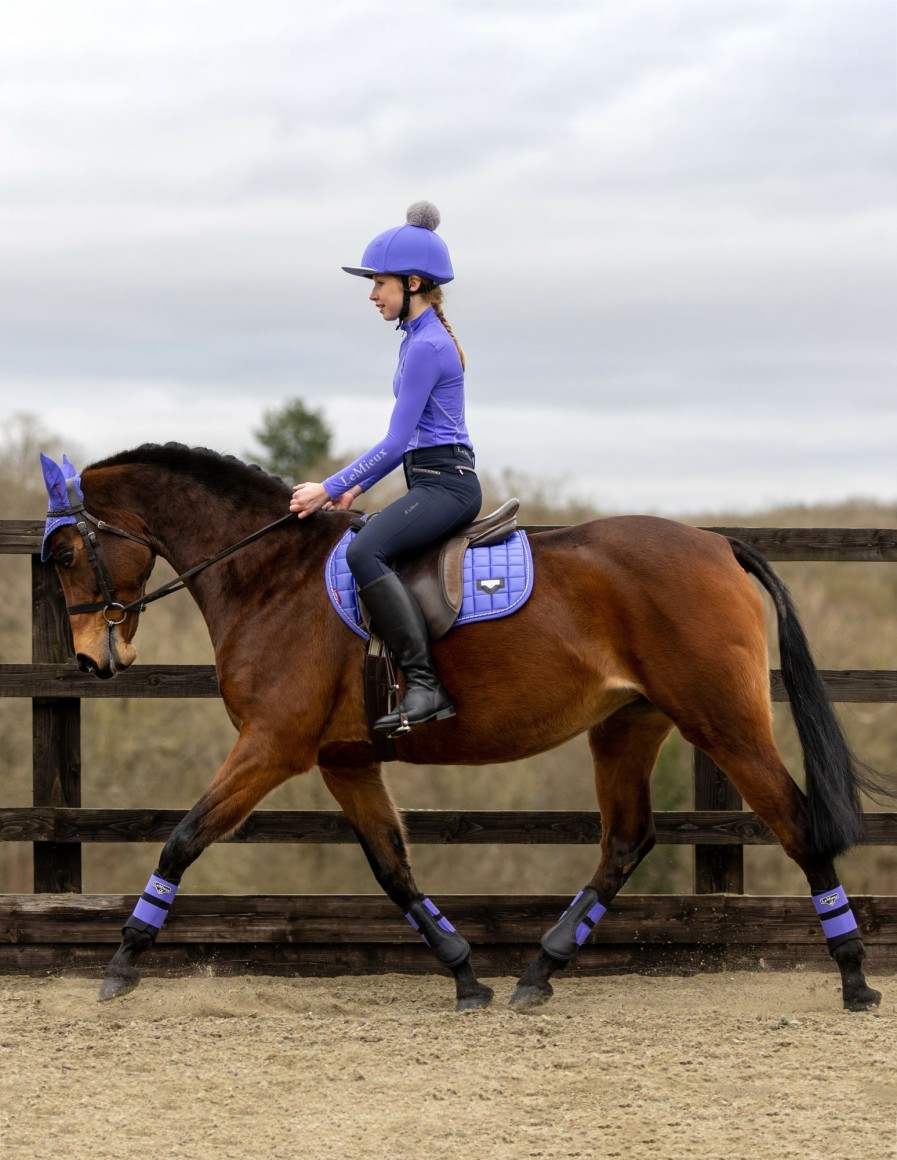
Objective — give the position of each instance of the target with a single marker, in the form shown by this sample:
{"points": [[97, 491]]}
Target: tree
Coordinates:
{"points": [[295, 439]]}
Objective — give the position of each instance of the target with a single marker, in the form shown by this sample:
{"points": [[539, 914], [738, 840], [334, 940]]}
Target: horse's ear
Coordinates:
{"points": [[55, 482], [55, 478]]}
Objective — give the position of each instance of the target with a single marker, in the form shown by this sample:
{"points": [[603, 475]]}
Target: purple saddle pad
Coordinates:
{"points": [[498, 580]]}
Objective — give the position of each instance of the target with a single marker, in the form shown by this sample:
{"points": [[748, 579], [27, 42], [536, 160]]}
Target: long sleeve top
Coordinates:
{"points": [[429, 409]]}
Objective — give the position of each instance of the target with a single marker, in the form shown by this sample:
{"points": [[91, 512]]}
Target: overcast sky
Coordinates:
{"points": [[673, 225]]}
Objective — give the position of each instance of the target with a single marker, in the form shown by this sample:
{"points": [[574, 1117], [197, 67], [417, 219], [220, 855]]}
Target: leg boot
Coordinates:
{"points": [[397, 619]]}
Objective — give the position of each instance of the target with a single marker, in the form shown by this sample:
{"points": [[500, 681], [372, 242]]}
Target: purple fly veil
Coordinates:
{"points": [[55, 479]]}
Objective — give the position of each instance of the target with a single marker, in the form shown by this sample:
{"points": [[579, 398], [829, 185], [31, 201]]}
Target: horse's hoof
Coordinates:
{"points": [[114, 986], [864, 1000], [528, 996], [475, 1000]]}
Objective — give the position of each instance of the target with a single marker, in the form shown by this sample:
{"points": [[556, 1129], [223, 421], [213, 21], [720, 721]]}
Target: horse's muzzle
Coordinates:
{"points": [[88, 665]]}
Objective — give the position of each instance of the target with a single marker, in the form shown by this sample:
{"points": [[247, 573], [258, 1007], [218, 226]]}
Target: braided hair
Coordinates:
{"points": [[433, 297]]}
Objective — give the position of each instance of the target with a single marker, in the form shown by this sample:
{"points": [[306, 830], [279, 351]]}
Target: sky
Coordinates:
{"points": [[673, 225]]}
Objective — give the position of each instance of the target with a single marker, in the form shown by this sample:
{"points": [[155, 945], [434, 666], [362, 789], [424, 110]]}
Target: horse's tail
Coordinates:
{"points": [[834, 776]]}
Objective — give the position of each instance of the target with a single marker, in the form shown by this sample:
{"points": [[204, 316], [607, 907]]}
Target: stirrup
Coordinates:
{"points": [[405, 726], [402, 727]]}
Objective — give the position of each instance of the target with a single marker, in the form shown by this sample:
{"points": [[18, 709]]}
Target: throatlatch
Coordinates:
{"points": [[434, 928], [838, 923], [574, 926], [153, 906]]}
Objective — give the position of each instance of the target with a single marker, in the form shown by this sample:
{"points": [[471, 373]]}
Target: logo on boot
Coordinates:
{"points": [[830, 899]]}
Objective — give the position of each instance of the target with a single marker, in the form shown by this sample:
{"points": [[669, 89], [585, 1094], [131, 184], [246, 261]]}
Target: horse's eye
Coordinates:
{"points": [[65, 558]]}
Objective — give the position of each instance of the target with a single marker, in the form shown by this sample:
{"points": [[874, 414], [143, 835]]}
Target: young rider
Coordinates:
{"points": [[408, 266]]}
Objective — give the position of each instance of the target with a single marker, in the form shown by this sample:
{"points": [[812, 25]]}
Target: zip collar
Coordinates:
{"points": [[413, 324]]}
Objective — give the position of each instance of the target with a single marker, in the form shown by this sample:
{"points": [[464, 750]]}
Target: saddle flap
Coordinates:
{"points": [[424, 577], [436, 578], [450, 571]]}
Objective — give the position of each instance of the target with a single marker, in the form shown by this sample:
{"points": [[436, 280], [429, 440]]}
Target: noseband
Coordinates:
{"points": [[110, 604]]}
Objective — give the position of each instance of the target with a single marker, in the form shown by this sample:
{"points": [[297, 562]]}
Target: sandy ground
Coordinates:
{"points": [[726, 1065]]}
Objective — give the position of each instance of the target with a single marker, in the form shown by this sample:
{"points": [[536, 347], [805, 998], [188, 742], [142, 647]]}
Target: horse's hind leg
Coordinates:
{"points": [[368, 806], [757, 772], [252, 769], [624, 750]]}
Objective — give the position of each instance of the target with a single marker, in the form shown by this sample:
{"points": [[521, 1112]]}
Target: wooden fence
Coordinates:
{"points": [[717, 927]]}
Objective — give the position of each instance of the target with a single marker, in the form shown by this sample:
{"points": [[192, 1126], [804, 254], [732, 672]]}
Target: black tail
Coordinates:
{"points": [[834, 776]]}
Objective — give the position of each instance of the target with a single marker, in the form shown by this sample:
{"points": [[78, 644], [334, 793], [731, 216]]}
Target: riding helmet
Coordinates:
{"points": [[413, 248]]}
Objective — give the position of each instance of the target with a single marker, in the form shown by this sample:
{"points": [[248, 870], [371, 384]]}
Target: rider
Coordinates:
{"points": [[408, 266]]}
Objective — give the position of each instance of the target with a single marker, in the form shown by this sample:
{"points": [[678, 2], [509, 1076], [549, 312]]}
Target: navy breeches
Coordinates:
{"points": [[443, 495]]}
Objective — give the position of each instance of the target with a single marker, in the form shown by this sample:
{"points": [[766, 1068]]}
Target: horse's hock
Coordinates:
{"points": [[58, 927]]}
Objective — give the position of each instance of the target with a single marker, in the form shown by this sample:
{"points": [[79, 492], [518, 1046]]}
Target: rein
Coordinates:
{"points": [[110, 603]]}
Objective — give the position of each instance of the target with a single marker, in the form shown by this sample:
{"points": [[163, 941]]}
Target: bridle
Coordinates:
{"points": [[110, 605]]}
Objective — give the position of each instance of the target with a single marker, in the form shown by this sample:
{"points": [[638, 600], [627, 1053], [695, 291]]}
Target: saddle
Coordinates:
{"points": [[435, 577]]}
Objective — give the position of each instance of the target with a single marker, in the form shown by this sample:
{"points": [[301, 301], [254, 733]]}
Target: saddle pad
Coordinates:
{"points": [[497, 580]]}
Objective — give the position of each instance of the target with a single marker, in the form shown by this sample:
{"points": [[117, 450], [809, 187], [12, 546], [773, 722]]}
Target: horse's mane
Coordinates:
{"points": [[224, 473]]}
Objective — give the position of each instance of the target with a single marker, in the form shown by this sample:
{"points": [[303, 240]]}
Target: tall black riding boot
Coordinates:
{"points": [[397, 619]]}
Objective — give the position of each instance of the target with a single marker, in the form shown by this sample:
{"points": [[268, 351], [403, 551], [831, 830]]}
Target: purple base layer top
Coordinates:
{"points": [[833, 908], [155, 902]]}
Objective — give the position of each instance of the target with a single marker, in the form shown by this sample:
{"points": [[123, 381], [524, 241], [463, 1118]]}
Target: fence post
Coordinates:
{"points": [[56, 731], [718, 869]]}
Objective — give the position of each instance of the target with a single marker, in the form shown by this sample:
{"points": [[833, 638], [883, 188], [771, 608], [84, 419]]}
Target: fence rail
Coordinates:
{"points": [[717, 926]]}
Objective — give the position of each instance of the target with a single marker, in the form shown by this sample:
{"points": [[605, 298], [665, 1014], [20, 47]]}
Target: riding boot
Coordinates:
{"points": [[397, 619]]}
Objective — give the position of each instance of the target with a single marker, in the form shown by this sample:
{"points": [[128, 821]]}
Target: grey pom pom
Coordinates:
{"points": [[423, 213]]}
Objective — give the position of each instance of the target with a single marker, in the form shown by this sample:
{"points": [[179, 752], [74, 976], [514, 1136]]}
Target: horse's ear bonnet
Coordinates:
{"points": [[55, 478], [414, 248]]}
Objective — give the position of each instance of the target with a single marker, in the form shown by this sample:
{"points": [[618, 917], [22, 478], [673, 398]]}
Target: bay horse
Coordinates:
{"points": [[635, 625]]}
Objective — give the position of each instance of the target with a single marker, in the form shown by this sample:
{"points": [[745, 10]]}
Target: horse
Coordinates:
{"points": [[636, 625]]}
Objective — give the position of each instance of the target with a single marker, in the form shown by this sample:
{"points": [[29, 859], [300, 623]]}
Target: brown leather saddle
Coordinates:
{"points": [[435, 577]]}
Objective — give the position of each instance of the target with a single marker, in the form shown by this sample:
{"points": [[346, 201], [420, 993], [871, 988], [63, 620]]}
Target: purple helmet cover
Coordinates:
{"points": [[55, 479]]}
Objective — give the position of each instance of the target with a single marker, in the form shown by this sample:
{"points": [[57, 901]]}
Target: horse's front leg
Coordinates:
{"points": [[371, 812], [253, 768]]}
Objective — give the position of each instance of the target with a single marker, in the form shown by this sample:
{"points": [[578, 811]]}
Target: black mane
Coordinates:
{"points": [[225, 473]]}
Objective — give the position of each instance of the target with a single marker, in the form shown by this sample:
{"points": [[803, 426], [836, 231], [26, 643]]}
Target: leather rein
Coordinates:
{"points": [[110, 602]]}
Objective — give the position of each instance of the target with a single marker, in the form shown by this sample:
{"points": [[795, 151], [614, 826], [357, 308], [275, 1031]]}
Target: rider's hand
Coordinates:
{"points": [[343, 502], [308, 498]]}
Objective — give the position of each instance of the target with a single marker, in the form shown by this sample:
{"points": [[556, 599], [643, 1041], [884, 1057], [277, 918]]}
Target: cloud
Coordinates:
{"points": [[656, 210]]}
